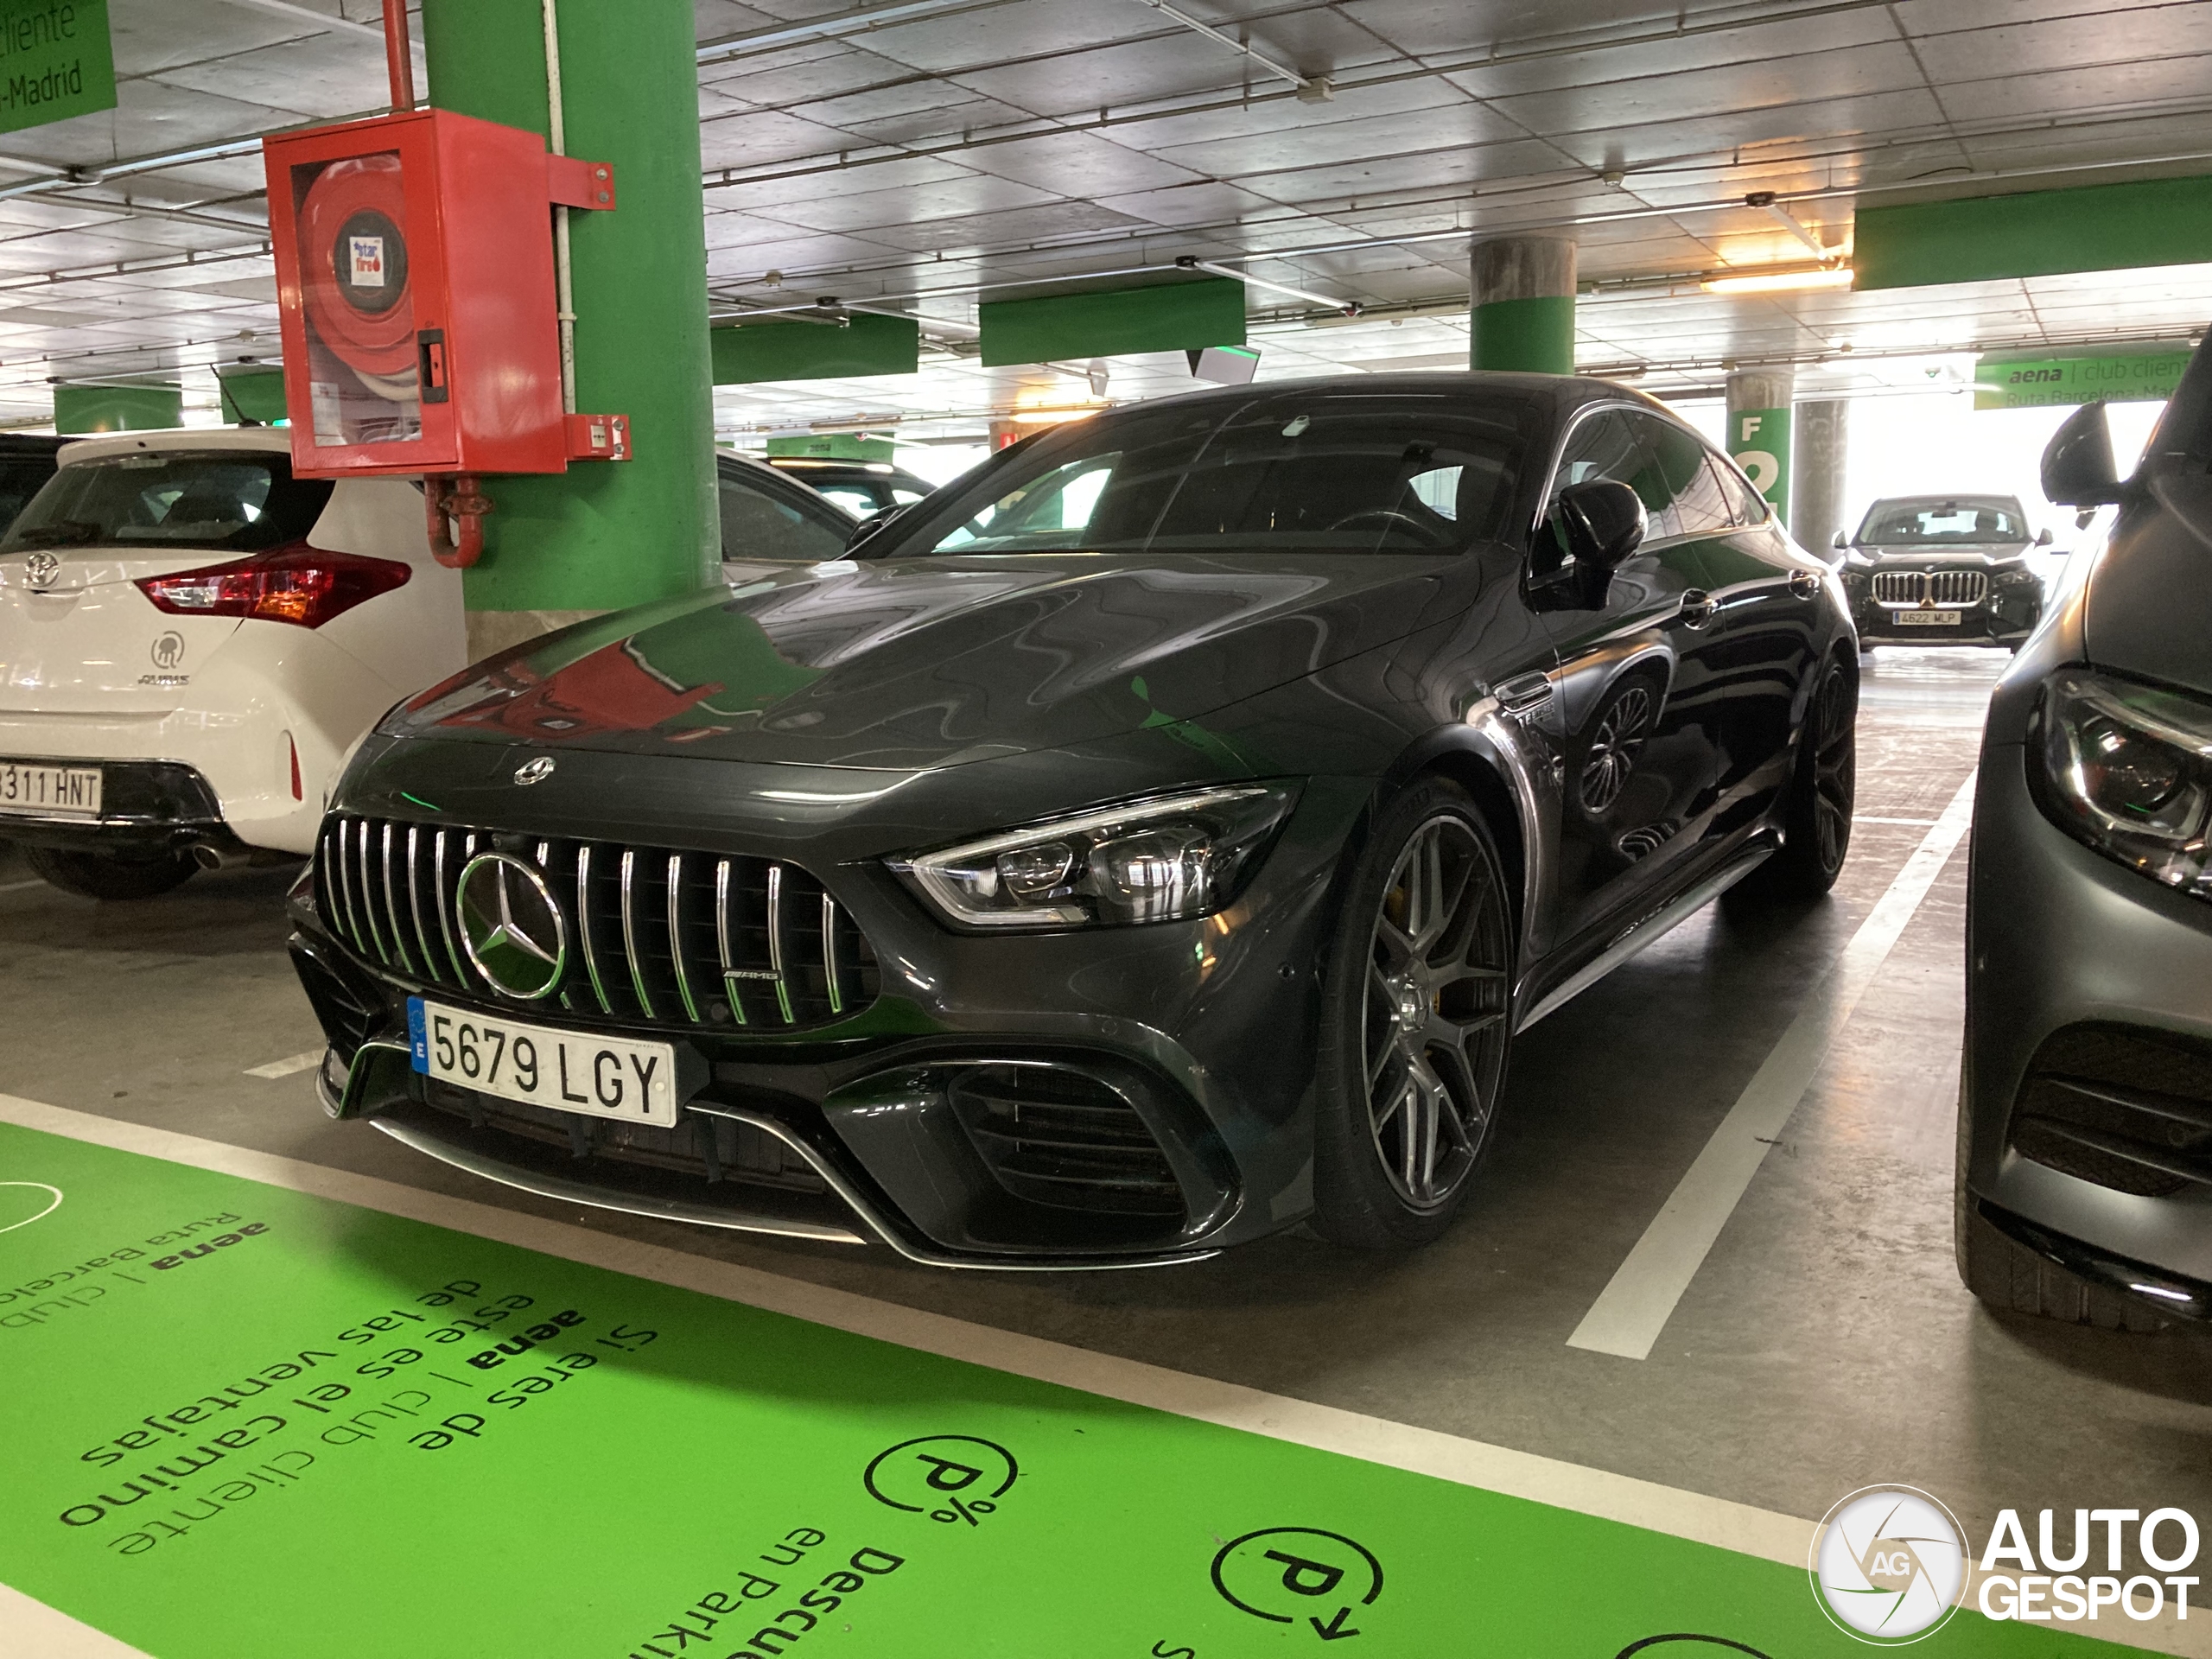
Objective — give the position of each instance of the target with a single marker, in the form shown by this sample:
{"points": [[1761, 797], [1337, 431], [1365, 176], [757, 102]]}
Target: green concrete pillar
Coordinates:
{"points": [[118, 408], [1759, 431], [606, 534], [1521, 315]]}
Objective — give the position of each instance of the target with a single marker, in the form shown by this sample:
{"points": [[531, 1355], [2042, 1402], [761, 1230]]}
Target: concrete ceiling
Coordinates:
{"points": [[908, 153]]}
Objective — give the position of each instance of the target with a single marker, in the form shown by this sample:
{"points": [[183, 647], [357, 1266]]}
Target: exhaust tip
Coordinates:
{"points": [[206, 857]]}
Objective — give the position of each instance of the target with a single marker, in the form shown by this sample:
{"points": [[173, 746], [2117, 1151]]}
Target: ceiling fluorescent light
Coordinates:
{"points": [[1780, 282]]}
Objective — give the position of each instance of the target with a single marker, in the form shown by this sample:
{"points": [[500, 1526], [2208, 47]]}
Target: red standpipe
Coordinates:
{"points": [[466, 505], [397, 56]]}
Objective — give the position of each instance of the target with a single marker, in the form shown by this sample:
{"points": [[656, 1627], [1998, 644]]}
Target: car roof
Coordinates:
{"points": [[174, 439]]}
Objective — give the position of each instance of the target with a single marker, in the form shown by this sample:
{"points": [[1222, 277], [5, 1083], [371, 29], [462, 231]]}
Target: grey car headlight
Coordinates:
{"points": [[1164, 859], [2127, 768]]}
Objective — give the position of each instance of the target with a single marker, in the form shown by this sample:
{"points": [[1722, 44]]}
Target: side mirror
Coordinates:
{"points": [[874, 522], [2077, 465], [2044, 540], [1605, 523], [1841, 540]]}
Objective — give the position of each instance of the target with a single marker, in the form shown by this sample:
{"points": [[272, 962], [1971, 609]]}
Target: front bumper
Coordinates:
{"points": [[2086, 1119], [2004, 617], [1116, 1098]]}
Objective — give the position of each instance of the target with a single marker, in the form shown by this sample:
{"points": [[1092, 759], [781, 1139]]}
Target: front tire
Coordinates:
{"points": [[1816, 812], [107, 875], [1416, 1025]]}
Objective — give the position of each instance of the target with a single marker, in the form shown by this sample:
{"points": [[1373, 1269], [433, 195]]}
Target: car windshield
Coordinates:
{"points": [[1290, 472], [233, 501], [1920, 523]]}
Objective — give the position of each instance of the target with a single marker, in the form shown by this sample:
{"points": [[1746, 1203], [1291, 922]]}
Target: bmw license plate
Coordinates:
{"points": [[27, 788], [565, 1071], [1928, 618]]}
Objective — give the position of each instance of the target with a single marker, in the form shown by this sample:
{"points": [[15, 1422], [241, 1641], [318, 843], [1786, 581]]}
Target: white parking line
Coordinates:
{"points": [[1635, 1306], [1917, 823], [284, 1068], [18, 886]]}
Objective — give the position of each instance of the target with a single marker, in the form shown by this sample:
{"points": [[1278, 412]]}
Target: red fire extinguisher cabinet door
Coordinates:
{"points": [[415, 280]]}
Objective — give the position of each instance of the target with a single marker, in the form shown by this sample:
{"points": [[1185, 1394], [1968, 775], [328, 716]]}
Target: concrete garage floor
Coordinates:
{"points": [[1825, 1345]]}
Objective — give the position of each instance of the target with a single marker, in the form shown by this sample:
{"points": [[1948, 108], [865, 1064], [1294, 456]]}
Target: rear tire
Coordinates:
{"points": [[1416, 1025], [105, 875], [1816, 811]]}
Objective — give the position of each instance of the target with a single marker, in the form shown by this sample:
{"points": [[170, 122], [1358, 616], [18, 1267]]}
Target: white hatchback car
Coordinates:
{"points": [[191, 640]]}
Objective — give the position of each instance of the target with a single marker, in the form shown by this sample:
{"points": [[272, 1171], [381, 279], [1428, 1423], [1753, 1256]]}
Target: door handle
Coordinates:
{"points": [[1696, 607], [1522, 692], [1805, 584]]}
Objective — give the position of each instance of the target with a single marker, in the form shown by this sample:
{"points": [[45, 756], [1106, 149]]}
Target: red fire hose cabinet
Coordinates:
{"points": [[415, 274]]}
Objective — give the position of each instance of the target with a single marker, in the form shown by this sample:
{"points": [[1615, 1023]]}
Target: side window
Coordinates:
{"points": [[1609, 445], [1700, 508], [903, 496], [755, 525], [1745, 504], [856, 498]]}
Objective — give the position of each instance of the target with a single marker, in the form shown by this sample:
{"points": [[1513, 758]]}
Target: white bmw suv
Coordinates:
{"points": [[191, 640]]}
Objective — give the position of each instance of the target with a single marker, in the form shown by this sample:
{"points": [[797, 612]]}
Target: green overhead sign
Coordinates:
{"points": [[55, 62], [771, 350], [254, 394], [117, 408], [833, 446], [2047, 382], [2034, 234], [1175, 316]]}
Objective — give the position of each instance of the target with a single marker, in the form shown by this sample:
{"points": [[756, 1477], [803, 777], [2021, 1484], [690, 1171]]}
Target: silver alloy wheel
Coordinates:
{"points": [[1432, 1023], [1829, 727], [1613, 748]]}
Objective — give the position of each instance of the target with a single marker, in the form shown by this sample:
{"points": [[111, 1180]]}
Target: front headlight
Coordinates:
{"points": [[1163, 859], [2128, 769]]}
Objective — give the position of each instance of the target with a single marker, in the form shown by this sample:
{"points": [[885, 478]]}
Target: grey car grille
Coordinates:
{"points": [[663, 936], [1959, 587]]}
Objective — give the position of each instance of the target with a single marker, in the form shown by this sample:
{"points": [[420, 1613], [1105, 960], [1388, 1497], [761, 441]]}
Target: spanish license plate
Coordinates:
{"points": [[566, 1071], [26, 787], [1928, 618]]}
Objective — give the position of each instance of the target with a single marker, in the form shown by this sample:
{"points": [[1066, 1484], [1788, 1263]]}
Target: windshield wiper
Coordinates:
{"points": [[63, 533]]}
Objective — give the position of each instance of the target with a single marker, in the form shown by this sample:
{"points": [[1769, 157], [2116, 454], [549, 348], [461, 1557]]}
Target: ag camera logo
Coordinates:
{"points": [[1888, 1563]]}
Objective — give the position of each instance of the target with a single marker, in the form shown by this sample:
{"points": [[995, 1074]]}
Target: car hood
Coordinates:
{"points": [[1950, 553], [2149, 608], [938, 661]]}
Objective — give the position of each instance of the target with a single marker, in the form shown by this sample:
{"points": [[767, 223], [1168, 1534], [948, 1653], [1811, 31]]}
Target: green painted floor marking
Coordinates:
{"points": [[248, 1423]]}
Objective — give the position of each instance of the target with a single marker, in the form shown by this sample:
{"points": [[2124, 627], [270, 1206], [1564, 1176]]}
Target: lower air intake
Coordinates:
{"points": [[1060, 1137]]}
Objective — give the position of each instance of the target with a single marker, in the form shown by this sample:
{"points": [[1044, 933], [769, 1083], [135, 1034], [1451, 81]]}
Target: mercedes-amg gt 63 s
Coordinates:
{"points": [[1151, 841]]}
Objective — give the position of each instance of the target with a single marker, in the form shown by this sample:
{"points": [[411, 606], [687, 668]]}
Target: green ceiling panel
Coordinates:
{"points": [[116, 408], [1165, 317], [812, 351], [253, 395], [2035, 233]]}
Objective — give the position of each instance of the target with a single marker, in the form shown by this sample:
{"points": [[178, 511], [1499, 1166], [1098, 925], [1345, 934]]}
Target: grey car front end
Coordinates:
{"points": [[2085, 1133], [1943, 570]]}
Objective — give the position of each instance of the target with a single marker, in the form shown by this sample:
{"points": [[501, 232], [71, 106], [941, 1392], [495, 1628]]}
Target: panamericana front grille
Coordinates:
{"points": [[2128, 1109], [664, 936], [1959, 587]]}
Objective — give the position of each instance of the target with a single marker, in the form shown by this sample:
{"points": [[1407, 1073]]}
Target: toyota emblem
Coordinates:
{"points": [[41, 568], [511, 927], [534, 771]]}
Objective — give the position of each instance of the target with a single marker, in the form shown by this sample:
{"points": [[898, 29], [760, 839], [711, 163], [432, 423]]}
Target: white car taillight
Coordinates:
{"points": [[298, 584]]}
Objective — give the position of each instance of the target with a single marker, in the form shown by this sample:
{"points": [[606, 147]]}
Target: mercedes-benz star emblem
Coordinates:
{"points": [[534, 771], [511, 927], [41, 568]]}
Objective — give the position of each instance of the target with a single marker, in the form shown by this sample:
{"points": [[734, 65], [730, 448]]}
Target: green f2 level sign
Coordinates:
{"points": [[55, 62], [1759, 441]]}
